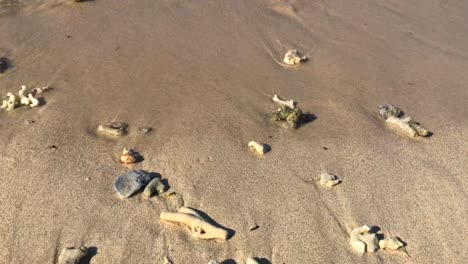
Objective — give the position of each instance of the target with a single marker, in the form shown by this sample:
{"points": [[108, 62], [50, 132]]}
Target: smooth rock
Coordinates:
{"points": [[131, 182], [70, 255]]}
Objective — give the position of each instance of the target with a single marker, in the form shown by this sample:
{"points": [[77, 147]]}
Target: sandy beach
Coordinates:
{"points": [[202, 75]]}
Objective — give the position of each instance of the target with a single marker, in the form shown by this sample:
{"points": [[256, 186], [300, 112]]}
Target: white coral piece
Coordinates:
{"points": [[278, 100], [24, 100], [293, 58], [200, 228], [329, 180], [259, 147], [363, 240], [392, 243], [34, 101]]}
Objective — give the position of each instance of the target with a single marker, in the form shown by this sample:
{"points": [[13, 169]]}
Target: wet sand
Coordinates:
{"points": [[202, 75]]}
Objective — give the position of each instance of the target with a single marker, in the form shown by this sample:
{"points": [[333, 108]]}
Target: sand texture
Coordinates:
{"points": [[202, 75]]}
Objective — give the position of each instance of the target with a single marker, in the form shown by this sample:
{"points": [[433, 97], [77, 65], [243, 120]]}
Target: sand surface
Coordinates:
{"points": [[202, 74]]}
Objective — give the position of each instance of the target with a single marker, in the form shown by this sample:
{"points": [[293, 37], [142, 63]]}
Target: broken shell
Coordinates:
{"points": [[259, 147], [329, 180], [128, 156], [156, 186], [278, 100], [392, 243], [363, 240], [293, 58], [70, 255], [113, 129]]}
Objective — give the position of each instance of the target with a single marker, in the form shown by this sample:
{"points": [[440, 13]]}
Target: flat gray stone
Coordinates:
{"points": [[131, 182]]}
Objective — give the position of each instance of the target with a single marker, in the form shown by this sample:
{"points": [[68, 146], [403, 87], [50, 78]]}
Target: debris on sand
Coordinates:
{"points": [[363, 240], [392, 243], [130, 156], [387, 111], [115, 129], [199, 226], [13, 101], [278, 100], [156, 186], [4, 64], [329, 180], [294, 58], [131, 182], [70, 255], [260, 148], [405, 125], [292, 117]]}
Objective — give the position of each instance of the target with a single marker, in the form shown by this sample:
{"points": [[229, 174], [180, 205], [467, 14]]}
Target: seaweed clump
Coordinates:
{"points": [[292, 117]]}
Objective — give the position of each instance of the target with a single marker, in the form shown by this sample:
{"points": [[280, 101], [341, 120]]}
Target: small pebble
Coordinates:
{"points": [[146, 130], [131, 182], [70, 255], [29, 121], [52, 147]]}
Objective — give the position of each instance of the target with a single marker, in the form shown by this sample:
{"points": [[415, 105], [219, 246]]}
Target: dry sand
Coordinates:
{"points": [[202, 74]]}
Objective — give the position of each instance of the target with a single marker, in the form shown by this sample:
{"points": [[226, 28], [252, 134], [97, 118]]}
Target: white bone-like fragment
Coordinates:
{"points": [[251, 260], [401, 125], [278, 100], [12, 102], [38, 90], [34, 101], [200, 228], [329, 180], [214, 262], [293, 58], [363, 240], [259, 147], [392, 243], [24, 100]]}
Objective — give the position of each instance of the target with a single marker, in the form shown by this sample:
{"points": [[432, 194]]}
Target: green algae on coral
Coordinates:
{"points": [[292, 117]]}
